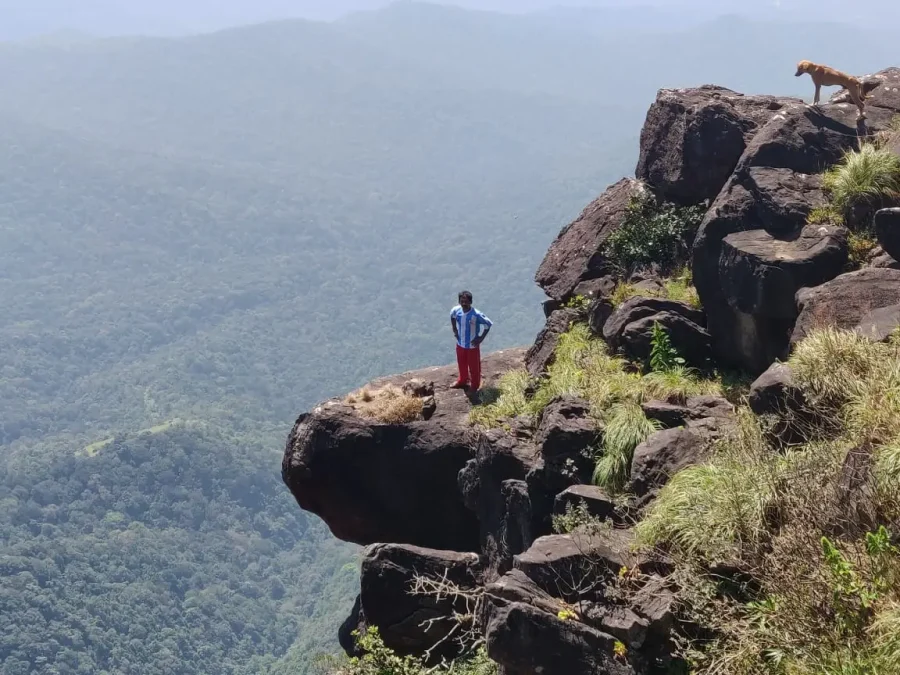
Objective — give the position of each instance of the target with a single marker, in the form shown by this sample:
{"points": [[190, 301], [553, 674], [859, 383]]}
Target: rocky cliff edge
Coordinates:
{"points": [[436, 497]]}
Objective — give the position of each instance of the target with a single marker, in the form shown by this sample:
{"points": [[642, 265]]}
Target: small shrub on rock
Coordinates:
{"points": [[653, 233], [861, 244], [378, 659], [578, 519]]}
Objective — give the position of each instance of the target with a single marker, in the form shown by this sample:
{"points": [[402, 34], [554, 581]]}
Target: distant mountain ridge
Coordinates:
{"points": [[38, 18]]}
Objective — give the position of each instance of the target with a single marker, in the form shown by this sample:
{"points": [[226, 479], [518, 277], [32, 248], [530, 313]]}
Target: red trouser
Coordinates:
{"points": [[469, 362]]}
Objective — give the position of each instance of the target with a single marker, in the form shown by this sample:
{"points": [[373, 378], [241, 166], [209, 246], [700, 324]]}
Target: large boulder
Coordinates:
{"points": [[524, 633], [493, 486], [844, 301], [575, 566], [637, 308], [541, 354], [595, 501], [690, 340], [565, 434], [761, 272], [592, 289], [882, 91], [776, 393], [598, 314], [887, 229], [879, 258], [663, 455], [414, 622], [775, 185], [695, 408], [693, 138], [630, 328], [529, 626], [565, 431], [525, 640], [880, 324], [575, 255], [395, 483]]}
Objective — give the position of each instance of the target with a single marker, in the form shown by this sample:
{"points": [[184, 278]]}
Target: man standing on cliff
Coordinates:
{"points": [[466, 322]]}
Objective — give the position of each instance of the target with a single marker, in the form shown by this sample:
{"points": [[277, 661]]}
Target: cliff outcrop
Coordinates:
{"points": [[509, 520]]}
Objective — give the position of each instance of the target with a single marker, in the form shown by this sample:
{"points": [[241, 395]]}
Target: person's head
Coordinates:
{"points": [[465, 300]]}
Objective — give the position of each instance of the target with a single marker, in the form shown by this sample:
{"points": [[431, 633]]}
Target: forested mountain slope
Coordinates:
{"points": [[170, 551], [223, 229]]}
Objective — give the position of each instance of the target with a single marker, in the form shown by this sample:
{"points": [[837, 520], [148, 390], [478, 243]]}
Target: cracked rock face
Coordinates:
{"points": [[575, 255], [774, 187], [693, 138], [409, 622]]}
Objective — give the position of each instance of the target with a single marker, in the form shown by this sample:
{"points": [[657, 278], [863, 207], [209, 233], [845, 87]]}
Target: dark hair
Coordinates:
{"points": [[466, 295]]}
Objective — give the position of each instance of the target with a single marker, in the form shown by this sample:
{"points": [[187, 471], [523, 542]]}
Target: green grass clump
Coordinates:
{"points": [[861, 244], [625, 427], [825, 215], [505, 401], [865, 175], [833, 365], [584, 367], [711, 511]]}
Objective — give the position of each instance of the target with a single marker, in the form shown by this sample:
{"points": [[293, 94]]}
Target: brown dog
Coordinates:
{"points": [[823, 76]]}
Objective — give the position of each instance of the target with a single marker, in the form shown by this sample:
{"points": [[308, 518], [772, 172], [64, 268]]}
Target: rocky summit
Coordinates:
{"points": [[511, 523]]}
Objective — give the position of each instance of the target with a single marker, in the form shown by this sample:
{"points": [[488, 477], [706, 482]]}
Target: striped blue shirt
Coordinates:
{"points": [[468, 324]]}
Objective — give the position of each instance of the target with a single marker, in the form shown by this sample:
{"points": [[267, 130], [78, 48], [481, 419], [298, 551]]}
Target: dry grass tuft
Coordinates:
{"points": [[388, 404]]}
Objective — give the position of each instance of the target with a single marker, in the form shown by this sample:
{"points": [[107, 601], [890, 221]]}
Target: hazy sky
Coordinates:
{"points": [[26, 18]]}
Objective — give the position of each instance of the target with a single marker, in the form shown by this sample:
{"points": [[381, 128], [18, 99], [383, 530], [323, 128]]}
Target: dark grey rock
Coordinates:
{"points": [[412, 623], [693, 138], [844, 301], [662, 455], [637, 308], [761, 273], [775, 185], [880, 324], [887, 229]]}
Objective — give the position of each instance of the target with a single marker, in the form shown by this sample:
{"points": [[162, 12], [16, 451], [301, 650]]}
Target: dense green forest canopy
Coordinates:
{"points": [[204, 236], [169, 551]]}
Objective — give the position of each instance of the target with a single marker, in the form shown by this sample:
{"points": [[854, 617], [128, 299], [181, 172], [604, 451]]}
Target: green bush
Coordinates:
{"points": [[653, 232]]}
